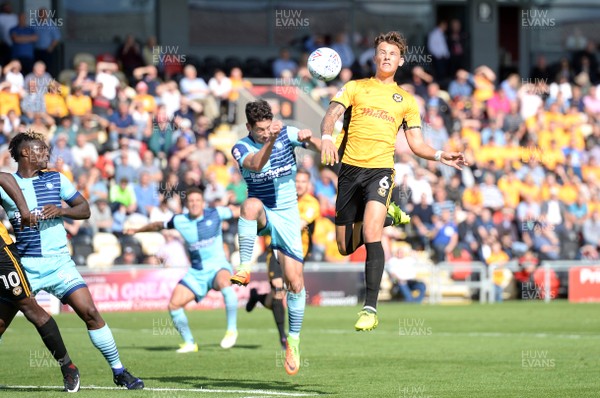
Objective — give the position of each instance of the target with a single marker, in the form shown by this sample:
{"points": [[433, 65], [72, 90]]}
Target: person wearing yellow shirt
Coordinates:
{"points": [[472, 199], [220, 168], [568, 192], [142, 96], [498, 258], [510, 186], [553, 156], [8, 101], [376, 110], [55, 102], [79, 104]]}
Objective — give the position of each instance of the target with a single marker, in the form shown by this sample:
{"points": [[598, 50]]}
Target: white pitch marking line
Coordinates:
{"points": [[205, 390]]}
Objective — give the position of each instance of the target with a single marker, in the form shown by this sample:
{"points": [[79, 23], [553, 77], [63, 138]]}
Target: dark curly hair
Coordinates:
{"points": [[18, 140], [392, 37], [258, 111]]}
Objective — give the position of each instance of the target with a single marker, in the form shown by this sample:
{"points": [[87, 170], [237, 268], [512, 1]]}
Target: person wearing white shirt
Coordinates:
{"points": [[109, 81], [438, 47], [82, 150]]}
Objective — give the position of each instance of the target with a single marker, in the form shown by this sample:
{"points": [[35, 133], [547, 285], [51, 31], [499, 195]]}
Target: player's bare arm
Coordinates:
{"points": [[10, 186], [423, 150], [329, 153], [79, 210], [256, 161], [314, 144], [152, 227]]}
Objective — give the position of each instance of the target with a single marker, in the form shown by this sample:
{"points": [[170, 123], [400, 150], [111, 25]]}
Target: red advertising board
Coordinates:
{"points": [[150, 289], [584, 284]]}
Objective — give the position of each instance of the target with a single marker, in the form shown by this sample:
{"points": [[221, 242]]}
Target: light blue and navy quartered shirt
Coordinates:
{"points": [[275, 184], [203, 237], [49, 238]]}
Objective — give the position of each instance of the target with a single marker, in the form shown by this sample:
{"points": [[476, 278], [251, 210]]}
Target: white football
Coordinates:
{"points": [[324, 64]]}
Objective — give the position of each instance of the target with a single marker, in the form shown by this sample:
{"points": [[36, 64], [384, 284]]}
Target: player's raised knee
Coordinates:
{"points": [[251, 208]]}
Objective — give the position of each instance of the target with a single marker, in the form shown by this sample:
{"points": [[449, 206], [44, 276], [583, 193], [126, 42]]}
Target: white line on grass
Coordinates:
{"points": [[204, 390]]}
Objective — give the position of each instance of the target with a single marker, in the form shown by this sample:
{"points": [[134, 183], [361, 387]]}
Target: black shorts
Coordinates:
{"points": [[273, 267], [14, 285], [356, 187]]}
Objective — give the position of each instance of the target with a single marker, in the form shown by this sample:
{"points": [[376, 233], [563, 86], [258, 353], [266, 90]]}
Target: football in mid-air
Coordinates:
{"points": [[324, 64]]}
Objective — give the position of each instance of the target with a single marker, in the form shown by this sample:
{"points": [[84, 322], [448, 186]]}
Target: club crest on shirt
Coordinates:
{"points": [[381, 192], [209, 223], [17, 290], [49, 185], [397, 97]]}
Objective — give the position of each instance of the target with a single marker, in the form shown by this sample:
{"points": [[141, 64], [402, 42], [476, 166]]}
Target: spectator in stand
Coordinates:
{"points": [[171, 98], [438, 48], [422, 219], [78, 103], [215, 194], [203, 127], [42, 78], [187, 110], [121, 124], [493, 132], [60, 149], [237, 84], [553, 210], [591, 230], [284, 62], [150, 165], [8, 20], [101, 218], [442, 203], [142, 95], [237, 188], [545, 242], [468, 237], [220, 88], [130, 56], [568, 236], [122, 195], [492, 196], [203, 154], [325, 191], [498, 258], [146, 194], [344, 49], [185, 131], [84, 79], [162, 212], [421, 185], [55, 102], [48, 39], [132, 148], [124, 170], [83, 150], [462, 86], [13, 77], [149, 75], [445, 236], [457, 45], [196, 89], [108, 82], [24, 39]]}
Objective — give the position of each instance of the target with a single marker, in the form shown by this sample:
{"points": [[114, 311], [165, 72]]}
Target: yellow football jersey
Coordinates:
{"points": [[310, 210], [4, 234], [377, 112]]}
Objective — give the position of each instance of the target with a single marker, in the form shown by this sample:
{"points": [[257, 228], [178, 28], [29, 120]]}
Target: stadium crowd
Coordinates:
{"points": [[134, 134]]}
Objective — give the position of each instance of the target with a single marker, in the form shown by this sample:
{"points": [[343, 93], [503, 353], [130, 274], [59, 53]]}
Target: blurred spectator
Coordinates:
{"points": [[344, 49], [196, 89], [545, 242], [78, 103], [41, 77], [146, 194], [187, 110], [142, 95], [325, 191], [422, 219], [283, 63], [82, 150], [13, 77], [498, 258], [445, 236], [553, 210], [457, 45], [150, 166], [237, 188], [122, 196], [468, 236], [101, 218], [591, 230], [106, 79], [24, 39], [237, 84], [172, 99], [461, 86], [61, 150], [214, 192], [185, 131], [48, 39], [128, 257], [149, 75], [220, 87], [403, 272], [492, 196], [55, 102], [84, 79], [173, 253], [130, 55], [438, 48], [125, 170], [161, 213]]}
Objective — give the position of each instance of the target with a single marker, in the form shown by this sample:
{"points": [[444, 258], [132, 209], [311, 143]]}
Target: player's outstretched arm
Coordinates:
{"points": [[423, 150], [10, 186], [329, 153], [152, 227], [314, 144]]}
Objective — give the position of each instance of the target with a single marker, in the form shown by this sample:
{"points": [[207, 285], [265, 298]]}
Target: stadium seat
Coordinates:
{"points": [[87, 58], [106, 244], [130, 241], [151, 242], [99, 260]]}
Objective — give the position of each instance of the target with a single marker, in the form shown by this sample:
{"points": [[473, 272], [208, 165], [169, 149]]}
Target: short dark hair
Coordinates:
{"points": [[392, 37], [258, 111], [15, 145], [192, 190]]}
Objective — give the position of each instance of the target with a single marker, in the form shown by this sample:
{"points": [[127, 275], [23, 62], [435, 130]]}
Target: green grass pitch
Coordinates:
{"points": [[514, 349]]}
